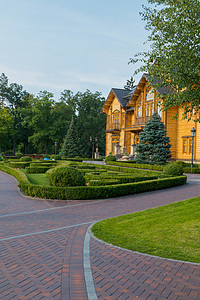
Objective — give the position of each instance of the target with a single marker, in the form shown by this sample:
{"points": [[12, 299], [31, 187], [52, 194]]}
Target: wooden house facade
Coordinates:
{"points": [[128, 111]]}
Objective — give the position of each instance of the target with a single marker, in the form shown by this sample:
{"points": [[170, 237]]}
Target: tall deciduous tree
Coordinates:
{"points": [[42, 121], [174, 55], [154, 146], [3, 88], [90, 122], [15, 97], [6, 129]]}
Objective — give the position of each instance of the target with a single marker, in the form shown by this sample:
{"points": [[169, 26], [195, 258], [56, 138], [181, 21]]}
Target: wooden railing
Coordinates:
{"points": [[141, 120], [112, 126]]}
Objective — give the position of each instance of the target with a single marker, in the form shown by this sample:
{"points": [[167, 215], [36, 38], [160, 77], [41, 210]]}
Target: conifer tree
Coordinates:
{"points": [[70, 145], [154, 147]]}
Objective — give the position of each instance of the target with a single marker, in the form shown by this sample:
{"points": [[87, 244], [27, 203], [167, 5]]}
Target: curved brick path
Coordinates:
{"points": [[41, 249]]}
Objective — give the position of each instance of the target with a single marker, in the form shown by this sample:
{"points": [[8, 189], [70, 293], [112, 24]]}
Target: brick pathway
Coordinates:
{"points": [[41, 249]]}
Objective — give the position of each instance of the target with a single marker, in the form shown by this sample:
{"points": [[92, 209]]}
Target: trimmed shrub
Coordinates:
{"points": [[65, 176], [37, 169], [110, 158], [18, 155], [55, 157], [25, 158], [173, 169], [103, 182], [91, 192], [132, 164], [191, 170], [18, 165], [39, 164]]}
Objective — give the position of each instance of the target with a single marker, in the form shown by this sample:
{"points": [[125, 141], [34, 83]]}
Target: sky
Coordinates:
{"points": [[55, 45]]}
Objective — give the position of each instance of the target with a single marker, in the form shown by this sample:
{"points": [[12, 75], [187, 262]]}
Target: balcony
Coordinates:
{"points": [[141, 120], [112, 127]]}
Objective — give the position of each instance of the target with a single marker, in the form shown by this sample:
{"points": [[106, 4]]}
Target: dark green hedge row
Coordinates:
{"points": [[38, 169], [119, 180], [18, 165], [127, 170], [43, 163], [91, 192], [191, 170], [137, 166], [102, 182]]}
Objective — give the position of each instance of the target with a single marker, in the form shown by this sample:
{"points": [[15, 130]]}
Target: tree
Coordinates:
{"points": [[130, 84], [3, 88], [15, 95], [6, 129], [174, 55], [154, 147], [90, 121], [70, 146], [42, 121]]}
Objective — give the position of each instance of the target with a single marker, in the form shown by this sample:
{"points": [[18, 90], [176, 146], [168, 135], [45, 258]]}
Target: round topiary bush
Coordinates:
{"points": [[173, 169], [65, 176], [25, 158], [110, 158]]}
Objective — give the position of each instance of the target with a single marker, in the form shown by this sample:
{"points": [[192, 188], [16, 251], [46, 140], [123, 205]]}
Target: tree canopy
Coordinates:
{"points": [[174, 53], [32, 124]]}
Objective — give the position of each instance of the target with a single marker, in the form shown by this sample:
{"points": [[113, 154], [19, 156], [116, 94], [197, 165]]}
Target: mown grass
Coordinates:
{"points": [[171, 231], [38, 179]]}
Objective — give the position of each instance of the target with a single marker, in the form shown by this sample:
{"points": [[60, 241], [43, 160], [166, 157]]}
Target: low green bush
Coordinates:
{"points": [[65, 176], [110, 158], [173, 169], [103, 182], [25, 158], [38, 164], [55, 157], [191, 170], [98, 192], [132, 164], [18, 155], [18, 165], [85, 167], [128, 170], [91, 192], [37, 169], [78, 159]]}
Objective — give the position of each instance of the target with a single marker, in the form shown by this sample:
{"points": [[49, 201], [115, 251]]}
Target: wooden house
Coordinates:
{"points": [[128, 111]]}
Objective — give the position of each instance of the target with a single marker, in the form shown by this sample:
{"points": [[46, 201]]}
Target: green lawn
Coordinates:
{"points": [[39, 179], [172, 231]]}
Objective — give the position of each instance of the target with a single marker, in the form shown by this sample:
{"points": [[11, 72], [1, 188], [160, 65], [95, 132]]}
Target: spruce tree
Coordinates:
{"points": [[154, 147], [70, 145]]}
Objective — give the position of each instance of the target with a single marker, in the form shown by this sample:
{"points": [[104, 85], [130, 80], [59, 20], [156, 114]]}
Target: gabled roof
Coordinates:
{"points": [[160, 89], [122, 95], [153, 81]]}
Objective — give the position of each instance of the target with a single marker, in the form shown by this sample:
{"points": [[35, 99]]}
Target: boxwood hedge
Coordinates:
{"points": [[37, 169], [91, 192]]}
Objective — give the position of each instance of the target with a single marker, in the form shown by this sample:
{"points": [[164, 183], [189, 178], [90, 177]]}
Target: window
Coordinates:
{"points": [[160, 111], [145, 110], [123, 119], [149, 94], [152, 110], [149, 110], [184, 146], [116, 119], [139, 111]]}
